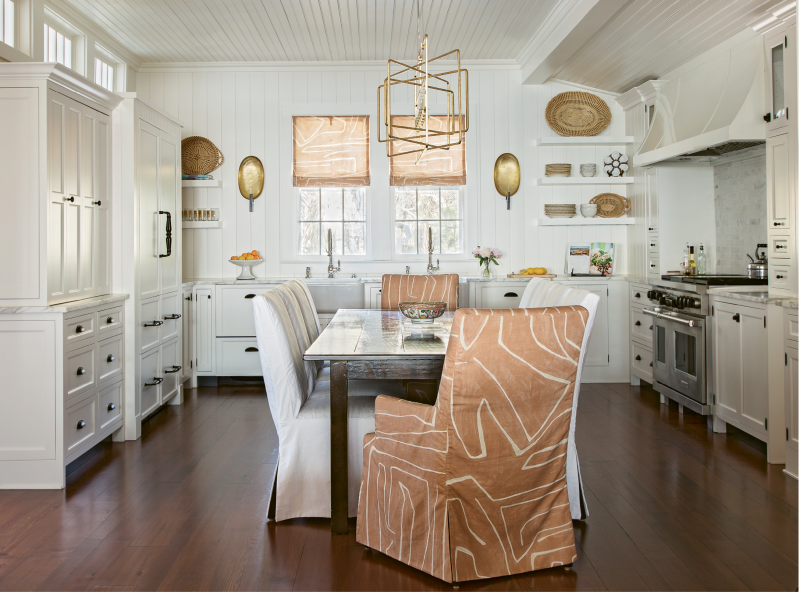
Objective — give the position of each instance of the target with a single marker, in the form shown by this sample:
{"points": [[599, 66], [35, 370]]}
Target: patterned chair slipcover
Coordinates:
{"points": [[397, 288]]}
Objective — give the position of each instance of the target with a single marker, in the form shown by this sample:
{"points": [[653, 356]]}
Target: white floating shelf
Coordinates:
{"points": [[584, 181], [201, 183], [583, 140], [580, 221], [199, 225]]}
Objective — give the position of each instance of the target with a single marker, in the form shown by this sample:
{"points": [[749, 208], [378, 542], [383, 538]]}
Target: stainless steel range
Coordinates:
{"points": [[682, 321]]}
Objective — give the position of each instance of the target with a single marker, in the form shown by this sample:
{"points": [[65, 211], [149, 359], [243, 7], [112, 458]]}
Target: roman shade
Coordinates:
{"points": [[330, 151], [437, 168]]}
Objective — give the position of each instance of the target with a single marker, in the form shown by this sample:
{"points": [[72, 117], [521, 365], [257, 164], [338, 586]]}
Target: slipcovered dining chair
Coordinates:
{"points": [[544, 293], [300, 406], [397, 288], [475, 485]]}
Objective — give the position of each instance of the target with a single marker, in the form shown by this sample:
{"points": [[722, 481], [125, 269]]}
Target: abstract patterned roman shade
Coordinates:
{"points": [[437, 168], [330, 151]]}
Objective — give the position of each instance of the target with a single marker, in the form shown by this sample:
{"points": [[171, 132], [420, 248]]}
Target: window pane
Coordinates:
{"points": [[336, 228], [405, 203], [428, 204], [354, 243], [451, 240], [98, 74], [68, 53], [423, 236], [8, 24], [110, 79], [354, 204], [405, 237], [309, 204], [450, 204], [51, 44], [104, 84], [332, 205], [309, 238], [60, 48], [2, 29]]}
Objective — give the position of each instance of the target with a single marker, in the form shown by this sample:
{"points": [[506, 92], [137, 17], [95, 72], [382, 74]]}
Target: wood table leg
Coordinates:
{"points": [[339, 447]]}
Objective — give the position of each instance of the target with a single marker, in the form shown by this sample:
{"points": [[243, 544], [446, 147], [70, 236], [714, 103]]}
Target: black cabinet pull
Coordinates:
{"points": [[638, 358], [81, 371], [111, 406], [251, 349], [250, 296], [110, 358], [154, 324], [768, 117], [97, 203], [651, 364], [638, 295], [510, 295], [637, 323], [79, 329], [71, 198], [174, 369], [81, 424], [169, 233], [651, 327], [172, 317], [778, 277], [736, 317], [156, 380], [109, 320], [189, 298]]}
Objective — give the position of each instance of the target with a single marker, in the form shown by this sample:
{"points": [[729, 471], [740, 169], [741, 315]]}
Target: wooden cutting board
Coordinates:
{"points": [[544, 275]]}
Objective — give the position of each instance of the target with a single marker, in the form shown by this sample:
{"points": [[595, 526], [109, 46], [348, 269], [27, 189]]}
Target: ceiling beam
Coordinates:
{"points": [[568, 27]]}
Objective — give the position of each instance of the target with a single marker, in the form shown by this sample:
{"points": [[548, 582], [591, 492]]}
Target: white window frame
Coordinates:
{"points": [[323, 256], [114, 64], [68, 31], [13, 22], [423, 254]]}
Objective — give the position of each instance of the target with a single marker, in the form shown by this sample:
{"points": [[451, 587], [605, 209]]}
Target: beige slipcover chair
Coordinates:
{"points": [[397, 288], [475, 485]]}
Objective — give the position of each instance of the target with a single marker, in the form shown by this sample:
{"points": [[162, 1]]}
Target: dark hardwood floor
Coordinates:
{"points": [[672, 506]]}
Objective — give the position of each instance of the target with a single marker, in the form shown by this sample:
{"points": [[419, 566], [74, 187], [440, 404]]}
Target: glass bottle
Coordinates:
{"points": [[686, 270], [701, 261], [692, 264]]}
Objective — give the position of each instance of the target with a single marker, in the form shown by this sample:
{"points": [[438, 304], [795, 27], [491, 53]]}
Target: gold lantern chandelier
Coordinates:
{"points": [[452, 126]]}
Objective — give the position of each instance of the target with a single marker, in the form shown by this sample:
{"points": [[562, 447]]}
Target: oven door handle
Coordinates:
{"points": [[687, 322]]}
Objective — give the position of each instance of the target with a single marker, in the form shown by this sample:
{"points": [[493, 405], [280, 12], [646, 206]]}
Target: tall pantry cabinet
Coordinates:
{"points": [[147, 239]]}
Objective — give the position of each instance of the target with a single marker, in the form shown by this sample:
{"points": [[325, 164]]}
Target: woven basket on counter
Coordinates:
{"points": [[611, 205], [577, 114], [199, 156]]}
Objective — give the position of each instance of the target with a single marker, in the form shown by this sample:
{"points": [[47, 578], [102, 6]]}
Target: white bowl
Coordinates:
{"points": [[245, 264], [588, 210], [588, 170]]}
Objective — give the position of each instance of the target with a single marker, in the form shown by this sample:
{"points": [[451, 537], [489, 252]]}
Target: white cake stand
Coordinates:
{"points": [[246, 274]]}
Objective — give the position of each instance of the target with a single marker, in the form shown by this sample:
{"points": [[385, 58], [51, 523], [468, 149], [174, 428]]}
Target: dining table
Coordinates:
{"points": [[372, 345]]}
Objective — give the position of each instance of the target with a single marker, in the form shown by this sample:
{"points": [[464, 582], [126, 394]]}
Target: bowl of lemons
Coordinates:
{"points": [[246, 261], [533, 271]]}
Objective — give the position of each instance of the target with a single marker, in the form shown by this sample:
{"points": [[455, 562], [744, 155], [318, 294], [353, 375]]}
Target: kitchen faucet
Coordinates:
{"points": [[431, 268], [331, 269]]}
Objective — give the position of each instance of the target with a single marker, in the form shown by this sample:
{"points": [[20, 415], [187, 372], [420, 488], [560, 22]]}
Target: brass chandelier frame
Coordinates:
{"points": [[420, 78]]}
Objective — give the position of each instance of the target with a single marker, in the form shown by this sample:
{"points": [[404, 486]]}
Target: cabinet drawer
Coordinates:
{"points": [[641, 325], [235, 310], [171, 369], [779, 246], [150, 380], [79, 328], [790, 326], [502, 295], [653, 268], [652, 245], [80, 372], [238, 357], [639, 294], [780, 277], [641, 361], [80, 424], [150, 323], [109, 321], [171, 310], [109, 408], [109, 359]]}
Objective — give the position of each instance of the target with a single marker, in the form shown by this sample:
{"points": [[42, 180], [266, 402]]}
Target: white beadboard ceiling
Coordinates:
{"points": [[314, 30], [648, 38]]}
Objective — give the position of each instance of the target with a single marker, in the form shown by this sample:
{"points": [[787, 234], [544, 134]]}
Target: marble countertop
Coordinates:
{"points": [[66, 306], [748, 294]]}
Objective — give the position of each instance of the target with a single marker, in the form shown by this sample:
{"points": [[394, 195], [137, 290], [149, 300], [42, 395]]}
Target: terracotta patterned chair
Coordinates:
{"points": [[475, 485], [397, 288]]}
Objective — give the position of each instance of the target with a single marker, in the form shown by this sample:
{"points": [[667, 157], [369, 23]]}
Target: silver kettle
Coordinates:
{"points": [[757, 268]]}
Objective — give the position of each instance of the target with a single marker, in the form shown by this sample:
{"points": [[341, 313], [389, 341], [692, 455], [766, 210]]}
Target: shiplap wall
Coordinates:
{"points": [[239, 109]]}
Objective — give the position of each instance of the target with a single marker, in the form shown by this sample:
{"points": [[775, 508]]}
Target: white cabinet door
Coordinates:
{"points": [[374, 299], [88, 220], [169, 226], [791, 392], [651, 198], [777, 56], [73, 201], [188, 333], [150, 379], [171, 369], [102, 204], [204, 326], [598, 352], [171, 313], [149, 220], [778, 203]]}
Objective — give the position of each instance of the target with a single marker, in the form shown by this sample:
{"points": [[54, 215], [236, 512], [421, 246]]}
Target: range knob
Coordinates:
{"points": [[651, 294], [695, 303], [679, 301]]}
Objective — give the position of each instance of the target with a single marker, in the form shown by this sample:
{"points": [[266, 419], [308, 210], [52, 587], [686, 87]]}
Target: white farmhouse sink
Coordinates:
{"points": [[332, 294]]}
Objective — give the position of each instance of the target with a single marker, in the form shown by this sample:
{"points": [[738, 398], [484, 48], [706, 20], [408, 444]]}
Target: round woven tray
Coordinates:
{"points": [[199, 156], [611, 205], [577, 114]]}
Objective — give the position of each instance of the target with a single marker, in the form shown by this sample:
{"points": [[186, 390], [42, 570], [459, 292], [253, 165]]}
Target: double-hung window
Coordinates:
{"points": [[331, 177], [8, 22], [427, 194]]}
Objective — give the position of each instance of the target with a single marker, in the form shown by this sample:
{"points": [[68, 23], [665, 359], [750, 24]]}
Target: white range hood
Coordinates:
{"points": [[713, 109]]}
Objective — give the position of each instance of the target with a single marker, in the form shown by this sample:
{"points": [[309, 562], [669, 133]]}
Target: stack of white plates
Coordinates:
{"points": [[559, 210], [558, 169]]}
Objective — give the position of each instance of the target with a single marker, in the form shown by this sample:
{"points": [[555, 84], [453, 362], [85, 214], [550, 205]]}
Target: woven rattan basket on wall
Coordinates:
{"points": [[199, 156], [577, 114], [611, 205]]}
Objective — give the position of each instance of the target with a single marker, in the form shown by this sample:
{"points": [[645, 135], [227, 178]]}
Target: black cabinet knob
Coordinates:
{"points": [[97, 203], [70, 198], [250, 296], [109, 320], [637, 295], [768, 117], [251, 349], [111, 406], [110, 358], [778, 277], [637, 323], [651, 327], [81, 424], [736, 317], [79, 329], [651, 364], [81, 371], [638, 358]]}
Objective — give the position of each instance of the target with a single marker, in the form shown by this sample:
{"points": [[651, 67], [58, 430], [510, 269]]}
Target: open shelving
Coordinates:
{"points": [[584, 181], [197, 184], [583, 140], [580, 221], [199, 225]]}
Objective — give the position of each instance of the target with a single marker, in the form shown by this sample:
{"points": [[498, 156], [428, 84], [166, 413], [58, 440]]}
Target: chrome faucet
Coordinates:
{"points": [[431, 268], [308, 272], [331, 269]]}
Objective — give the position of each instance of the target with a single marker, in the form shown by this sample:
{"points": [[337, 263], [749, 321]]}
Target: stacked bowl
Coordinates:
{"points": [[588, 210], [559, 210], [588, 170]]}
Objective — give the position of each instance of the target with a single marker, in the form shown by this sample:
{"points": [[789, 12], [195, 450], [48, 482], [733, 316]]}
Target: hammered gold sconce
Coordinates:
{"points": [[506, 176], [251, 179]]}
